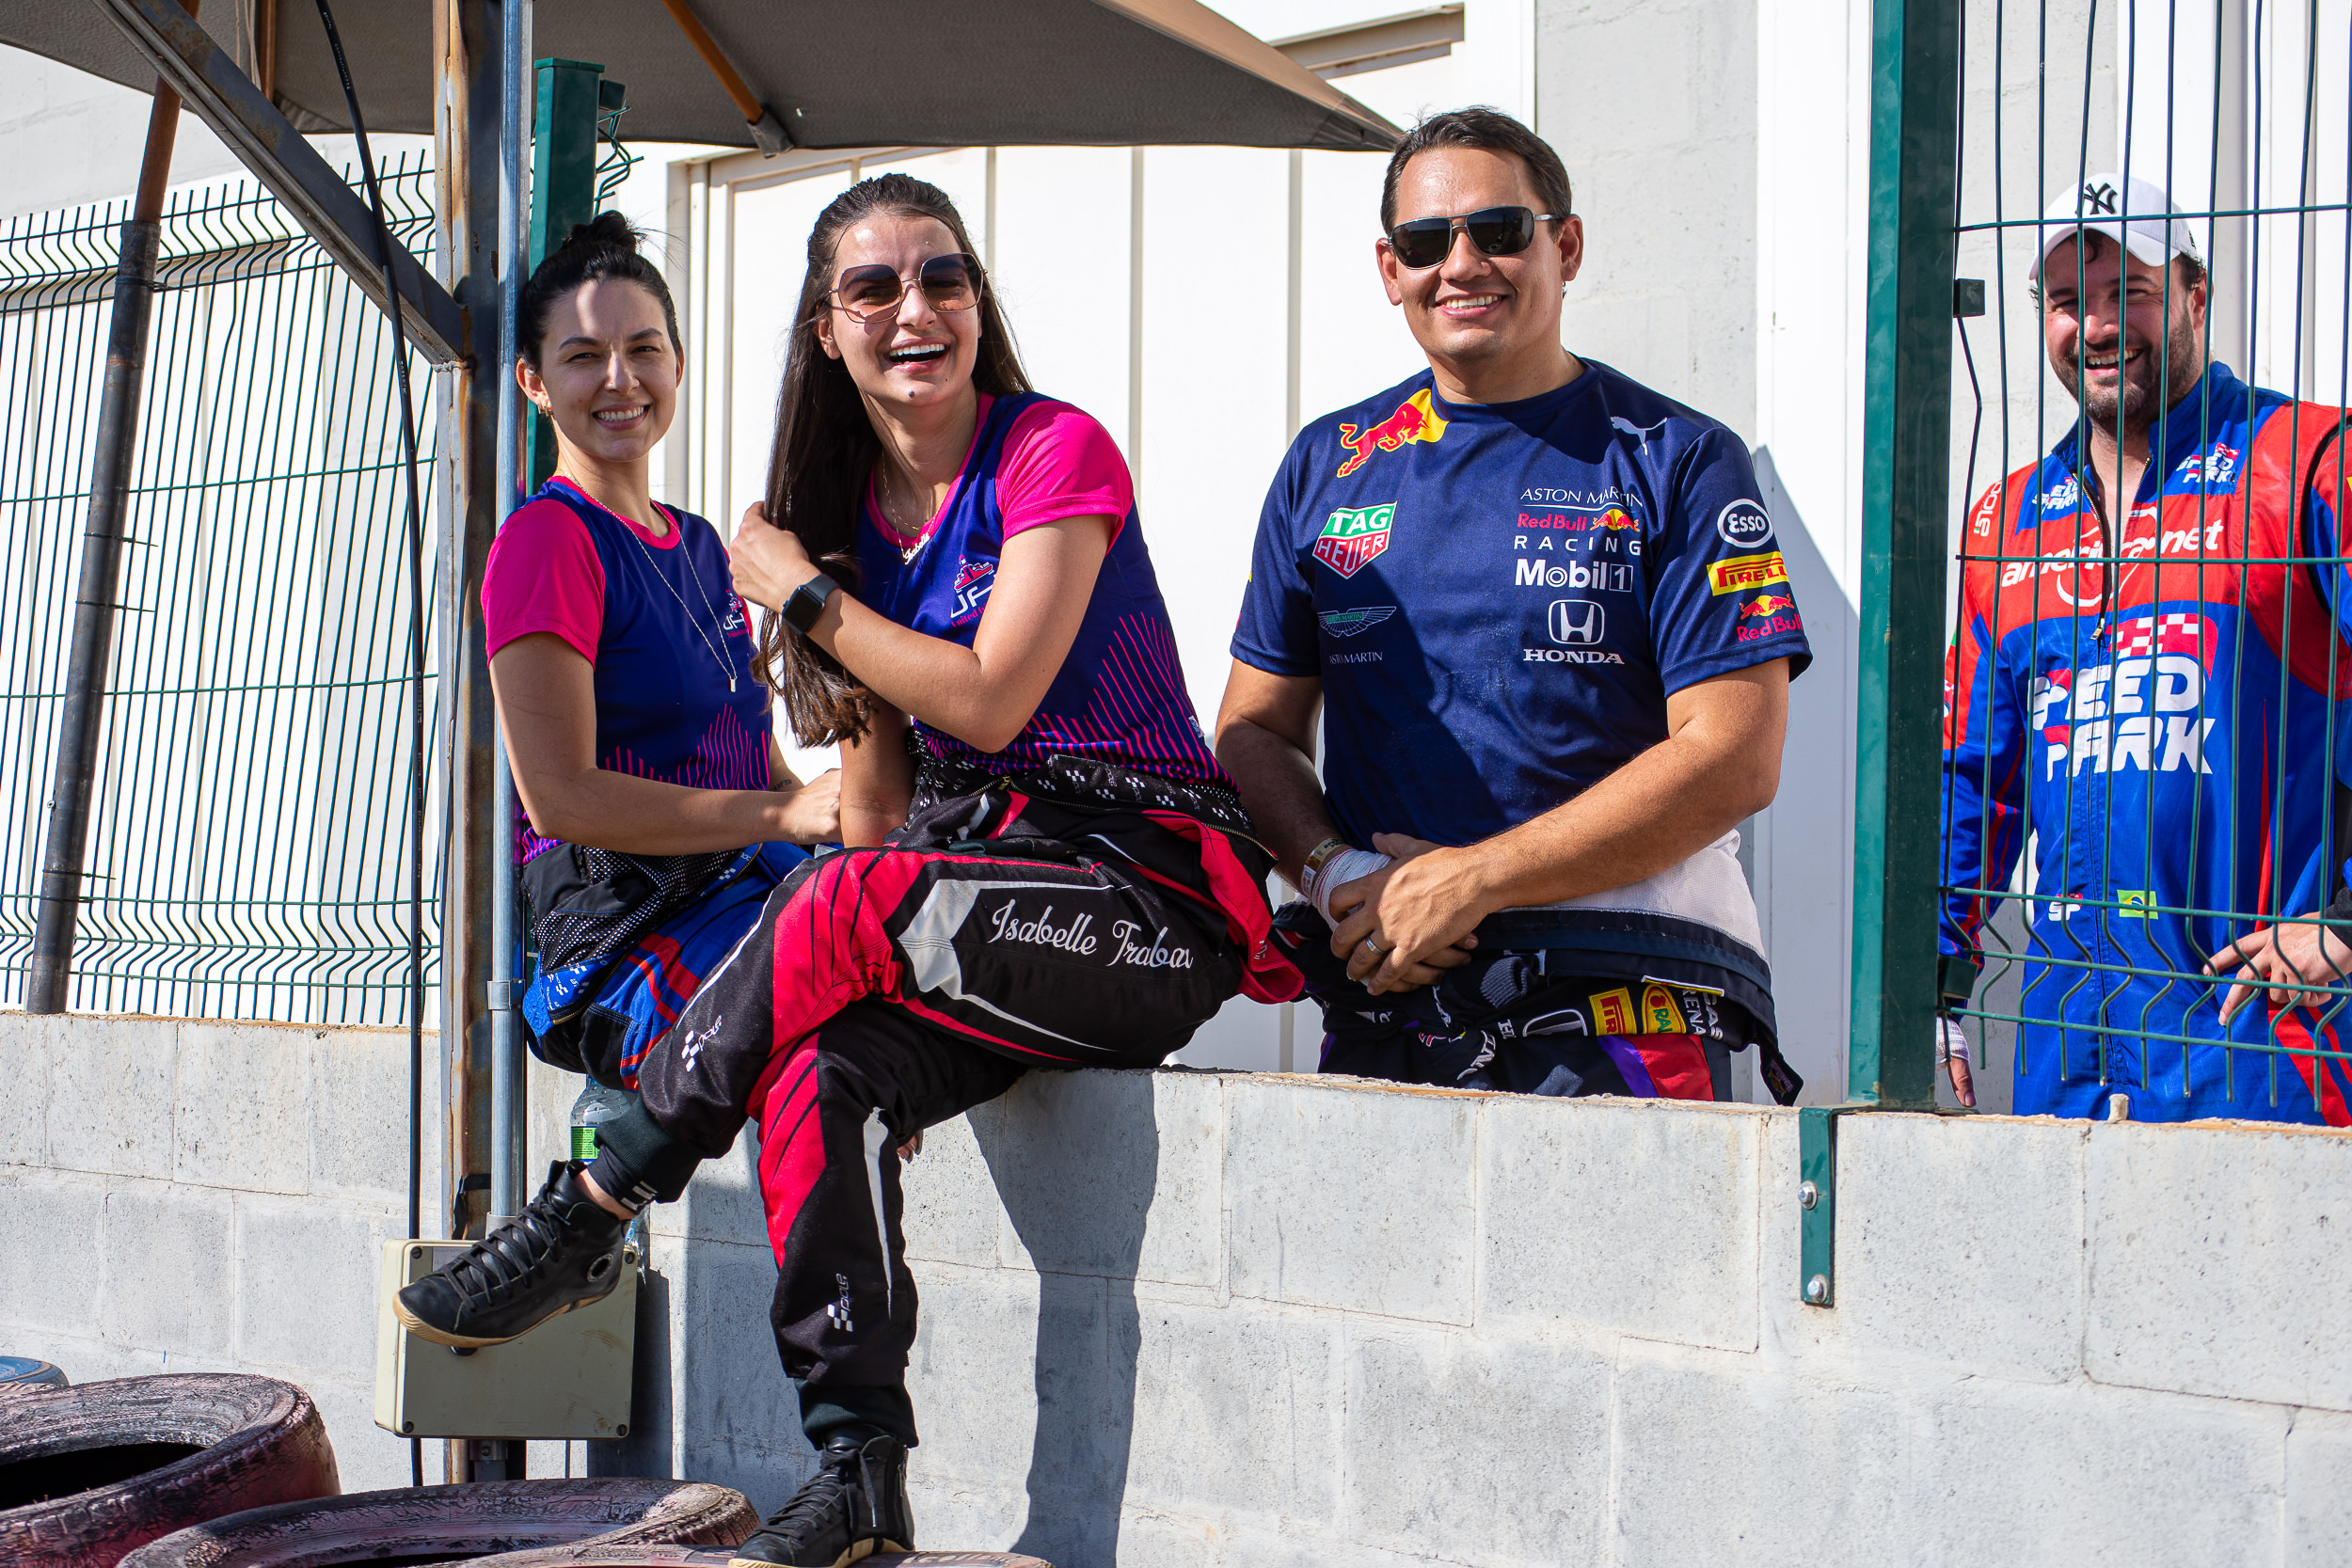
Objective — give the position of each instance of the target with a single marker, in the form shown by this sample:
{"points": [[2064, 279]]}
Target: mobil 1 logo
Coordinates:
{"points": [[1744, 525]]}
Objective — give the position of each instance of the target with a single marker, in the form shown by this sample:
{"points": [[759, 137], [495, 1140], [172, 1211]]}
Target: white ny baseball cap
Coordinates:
{"points": [[2103, 203]]}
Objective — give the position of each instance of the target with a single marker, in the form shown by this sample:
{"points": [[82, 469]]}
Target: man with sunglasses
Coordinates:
{"points": [[1539, 608]]}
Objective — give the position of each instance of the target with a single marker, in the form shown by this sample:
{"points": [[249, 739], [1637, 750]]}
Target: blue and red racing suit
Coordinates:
{"points": [[2156, 721]]}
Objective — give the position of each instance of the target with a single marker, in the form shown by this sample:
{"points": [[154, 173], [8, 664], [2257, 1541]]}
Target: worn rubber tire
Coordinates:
{"points": [[439, 1521], [587, 1556], [262, 1442]]}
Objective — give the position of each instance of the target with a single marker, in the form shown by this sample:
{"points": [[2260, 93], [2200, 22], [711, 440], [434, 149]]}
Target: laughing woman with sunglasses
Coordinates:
{"points": [[1045, 865]]}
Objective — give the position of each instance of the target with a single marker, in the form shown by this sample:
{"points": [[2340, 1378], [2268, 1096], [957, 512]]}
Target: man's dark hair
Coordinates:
{"points": [[1492, 131], [2188, 272]]}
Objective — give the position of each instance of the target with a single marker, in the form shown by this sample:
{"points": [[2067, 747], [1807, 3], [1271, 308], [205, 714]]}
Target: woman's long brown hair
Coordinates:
{"points": [[825, 449]]}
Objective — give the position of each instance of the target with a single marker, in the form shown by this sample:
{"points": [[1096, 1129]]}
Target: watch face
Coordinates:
{"points": [[807, 603]]}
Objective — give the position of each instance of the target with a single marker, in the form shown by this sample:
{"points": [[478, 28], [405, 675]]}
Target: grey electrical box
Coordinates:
{"points": [[568, 1378]]}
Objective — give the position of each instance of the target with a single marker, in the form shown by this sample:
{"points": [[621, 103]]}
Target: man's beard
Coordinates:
{"points": [[2134, 397]]}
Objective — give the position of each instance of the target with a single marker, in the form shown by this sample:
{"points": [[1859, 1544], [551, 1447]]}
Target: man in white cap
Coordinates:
{"points": [[2142, 700]]}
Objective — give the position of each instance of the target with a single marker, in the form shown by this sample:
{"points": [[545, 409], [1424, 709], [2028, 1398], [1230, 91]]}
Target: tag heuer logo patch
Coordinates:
{"points": [[1353, 535], [1347, 622]]}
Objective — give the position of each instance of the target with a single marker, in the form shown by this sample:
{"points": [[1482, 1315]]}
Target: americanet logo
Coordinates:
{"points": [[1743, 572], [1353, 535]]}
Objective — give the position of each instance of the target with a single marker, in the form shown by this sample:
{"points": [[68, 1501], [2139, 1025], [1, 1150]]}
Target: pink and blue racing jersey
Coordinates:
{"points": [[676, 702], [659, 619], [2153, 718], [1120, 696]]}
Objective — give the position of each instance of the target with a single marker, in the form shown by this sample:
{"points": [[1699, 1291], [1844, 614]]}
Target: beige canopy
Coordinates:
{"points": [[869, 73]]}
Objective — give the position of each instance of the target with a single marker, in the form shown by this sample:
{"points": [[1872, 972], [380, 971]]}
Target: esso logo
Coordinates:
{"points": [[1744, 525]]}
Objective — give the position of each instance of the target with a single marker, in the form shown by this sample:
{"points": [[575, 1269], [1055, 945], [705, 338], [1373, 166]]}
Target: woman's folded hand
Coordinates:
{"points": [[812, 812]]}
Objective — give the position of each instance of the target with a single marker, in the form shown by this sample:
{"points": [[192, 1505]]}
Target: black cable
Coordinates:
{"points": [[384, 250]]}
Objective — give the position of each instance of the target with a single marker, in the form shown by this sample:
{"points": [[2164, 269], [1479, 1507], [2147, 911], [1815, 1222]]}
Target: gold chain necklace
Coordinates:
{"points": [[922, 529], [691, 570]]}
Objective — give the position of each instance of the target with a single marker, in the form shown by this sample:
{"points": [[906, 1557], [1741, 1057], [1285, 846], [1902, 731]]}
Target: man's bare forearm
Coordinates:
{"points": [[1285, 799], [1650, 816], [1722, 762], [1653, 814]]}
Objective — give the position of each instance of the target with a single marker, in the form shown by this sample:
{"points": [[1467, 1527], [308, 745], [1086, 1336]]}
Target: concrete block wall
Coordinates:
{"points": [[180, 1195], [1192, 1318]]}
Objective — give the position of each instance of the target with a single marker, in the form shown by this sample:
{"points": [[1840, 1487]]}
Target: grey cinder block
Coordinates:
{"points": [[1536, 1414], [2217, 1257], [165, 1276], [1629, 1216], [240, 1107], [111, 1087], [1358, 1199]]}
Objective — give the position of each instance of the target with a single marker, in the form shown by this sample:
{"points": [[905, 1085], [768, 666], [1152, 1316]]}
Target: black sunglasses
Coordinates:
{"points": [[1495, 230], [950, 282]]}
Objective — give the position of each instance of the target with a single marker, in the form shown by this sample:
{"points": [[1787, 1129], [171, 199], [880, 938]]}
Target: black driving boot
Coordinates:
{"points": [[853, 1506], [562, 1251]]}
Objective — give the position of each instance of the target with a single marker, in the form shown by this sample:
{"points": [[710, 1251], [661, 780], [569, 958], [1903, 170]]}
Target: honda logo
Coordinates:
{"points": [[1577, 622]]}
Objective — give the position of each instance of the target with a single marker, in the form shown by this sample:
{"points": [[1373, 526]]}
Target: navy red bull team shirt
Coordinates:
{"points": [[1497, 598]]}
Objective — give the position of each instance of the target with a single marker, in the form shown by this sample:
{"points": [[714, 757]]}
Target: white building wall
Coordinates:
{"points": [[1150, 286], [1720, 152]]}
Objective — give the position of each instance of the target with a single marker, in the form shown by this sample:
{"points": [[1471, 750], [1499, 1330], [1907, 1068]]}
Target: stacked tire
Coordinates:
{"points": [[586, 1556], [447, 1523], [88, 1474]]}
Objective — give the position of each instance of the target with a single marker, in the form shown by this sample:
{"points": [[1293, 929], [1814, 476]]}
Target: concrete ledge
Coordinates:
{"points": [[1220, 1319]]}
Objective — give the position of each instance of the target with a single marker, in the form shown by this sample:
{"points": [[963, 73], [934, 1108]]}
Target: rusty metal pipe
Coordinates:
{"points": [[99, 583], [767, 130]]}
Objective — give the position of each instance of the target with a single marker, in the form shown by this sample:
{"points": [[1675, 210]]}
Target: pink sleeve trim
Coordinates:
{"points": [[543, 575], [1059, 462]]}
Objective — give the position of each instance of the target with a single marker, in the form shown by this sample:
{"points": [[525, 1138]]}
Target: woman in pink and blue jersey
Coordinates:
{"points": [[1044, 863], [656, 811]]}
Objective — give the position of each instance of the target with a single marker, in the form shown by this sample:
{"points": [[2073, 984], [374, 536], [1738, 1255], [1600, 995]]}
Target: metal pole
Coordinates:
{"points": [[101, 577], [1906, 506], [467, 120], [506, 1051]]}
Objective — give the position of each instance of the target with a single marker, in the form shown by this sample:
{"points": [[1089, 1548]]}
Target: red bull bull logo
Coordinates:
{"points": [[1767, 604], [1616, 517], [1353, 535], [1414, 420]]}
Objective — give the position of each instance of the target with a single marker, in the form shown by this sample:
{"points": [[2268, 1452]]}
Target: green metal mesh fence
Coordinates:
{"points": [[248, 851], [2148, 738]]}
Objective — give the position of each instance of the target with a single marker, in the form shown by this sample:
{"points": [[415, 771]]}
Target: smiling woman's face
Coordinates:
{"points": [[608, 374], [914, 356]]}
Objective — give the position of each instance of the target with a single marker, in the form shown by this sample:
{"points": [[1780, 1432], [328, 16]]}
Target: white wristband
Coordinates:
{"points": [[1346, 867]]}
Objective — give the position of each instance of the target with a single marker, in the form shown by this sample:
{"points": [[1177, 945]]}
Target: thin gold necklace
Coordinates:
{"points": [[653, 566], [923, 525]]}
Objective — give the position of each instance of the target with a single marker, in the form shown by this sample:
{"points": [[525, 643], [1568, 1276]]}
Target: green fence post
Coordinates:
{"points": [[1915, 71], [562, 192]]}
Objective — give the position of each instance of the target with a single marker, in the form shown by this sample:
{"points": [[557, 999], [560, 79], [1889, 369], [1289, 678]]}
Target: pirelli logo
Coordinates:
{"points": [[1744, 572]]}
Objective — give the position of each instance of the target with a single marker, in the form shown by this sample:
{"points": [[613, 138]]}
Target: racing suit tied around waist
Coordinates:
{"points": [[1078, 915]]}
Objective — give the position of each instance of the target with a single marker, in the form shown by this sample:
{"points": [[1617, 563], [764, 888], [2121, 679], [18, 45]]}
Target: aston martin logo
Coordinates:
{"points": [[1347, 622]]}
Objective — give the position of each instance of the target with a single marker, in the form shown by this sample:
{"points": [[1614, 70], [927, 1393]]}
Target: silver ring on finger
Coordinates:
{"points": [[1377, 949]]}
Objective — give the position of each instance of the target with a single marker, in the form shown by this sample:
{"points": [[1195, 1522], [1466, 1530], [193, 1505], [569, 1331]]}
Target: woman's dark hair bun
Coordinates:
{"points": [[604, 228], [606, 246]]}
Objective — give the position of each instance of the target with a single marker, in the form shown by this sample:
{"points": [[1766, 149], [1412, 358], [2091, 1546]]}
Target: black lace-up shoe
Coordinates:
{"points": [[853, 1506], [561, 1252]]}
